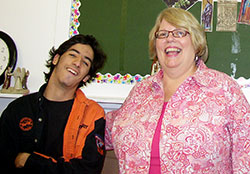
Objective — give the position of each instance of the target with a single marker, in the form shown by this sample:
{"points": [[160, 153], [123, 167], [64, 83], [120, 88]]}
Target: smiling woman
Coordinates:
{"points": [[175, 54], [186, 22], [184, 98]]}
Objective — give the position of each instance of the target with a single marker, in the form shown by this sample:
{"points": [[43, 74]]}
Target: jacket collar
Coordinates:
{"points": [[42, 89], [80, 96]]}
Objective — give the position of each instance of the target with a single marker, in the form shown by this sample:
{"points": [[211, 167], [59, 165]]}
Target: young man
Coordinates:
{"points": [[57, 130]]}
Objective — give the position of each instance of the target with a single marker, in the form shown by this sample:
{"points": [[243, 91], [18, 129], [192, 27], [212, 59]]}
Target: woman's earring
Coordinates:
{"points": [[155, 67], [196, 58]]}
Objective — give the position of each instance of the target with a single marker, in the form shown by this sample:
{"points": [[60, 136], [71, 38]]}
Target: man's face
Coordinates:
{"points": [[73, 66]]}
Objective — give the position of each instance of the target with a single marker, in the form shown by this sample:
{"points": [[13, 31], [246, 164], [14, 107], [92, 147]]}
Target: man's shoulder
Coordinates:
{"points": [[94, 104], [81, 97], [24, 99], [20, 107]]}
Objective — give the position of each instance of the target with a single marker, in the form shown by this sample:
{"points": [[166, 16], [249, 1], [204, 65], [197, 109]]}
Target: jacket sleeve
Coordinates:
{"points": [[8, 140], [92, 160]]}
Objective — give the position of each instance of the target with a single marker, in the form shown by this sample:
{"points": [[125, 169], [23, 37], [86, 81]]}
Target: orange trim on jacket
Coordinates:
{"points": [[45, 156], [80, 123]]}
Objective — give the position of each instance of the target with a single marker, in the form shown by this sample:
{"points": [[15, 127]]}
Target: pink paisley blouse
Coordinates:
{"points": [[205, 129]]}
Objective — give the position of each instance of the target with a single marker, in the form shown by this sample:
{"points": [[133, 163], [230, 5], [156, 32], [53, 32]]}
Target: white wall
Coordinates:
{"points": [[35, 26]]}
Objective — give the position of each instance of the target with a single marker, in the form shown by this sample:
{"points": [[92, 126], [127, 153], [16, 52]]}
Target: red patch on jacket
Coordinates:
{"points": [[26, 124], [99, 144]]}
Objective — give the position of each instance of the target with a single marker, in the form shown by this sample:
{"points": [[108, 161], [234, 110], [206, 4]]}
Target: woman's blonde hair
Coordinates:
{"points": [[181, 19]]}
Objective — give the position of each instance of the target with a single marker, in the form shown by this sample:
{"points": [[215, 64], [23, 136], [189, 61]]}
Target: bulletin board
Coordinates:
{"points": [[122, 28], [221, 46]]}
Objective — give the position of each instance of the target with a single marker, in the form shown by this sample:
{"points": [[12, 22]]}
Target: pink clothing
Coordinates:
{"points": [[155, 164], [205, 128]]}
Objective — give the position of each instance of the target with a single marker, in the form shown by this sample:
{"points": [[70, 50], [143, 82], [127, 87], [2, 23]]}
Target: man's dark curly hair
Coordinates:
{"points": [[99, 55]]}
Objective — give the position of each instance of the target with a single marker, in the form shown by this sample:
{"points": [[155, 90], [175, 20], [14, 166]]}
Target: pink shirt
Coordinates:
{"points": [[155, 164], [205, 128]]}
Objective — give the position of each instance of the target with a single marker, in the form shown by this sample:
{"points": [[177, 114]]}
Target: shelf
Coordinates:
{"points": [[10, 96]]}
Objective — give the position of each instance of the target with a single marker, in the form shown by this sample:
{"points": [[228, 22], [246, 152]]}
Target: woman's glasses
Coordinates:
{"points": [[177, 33]]}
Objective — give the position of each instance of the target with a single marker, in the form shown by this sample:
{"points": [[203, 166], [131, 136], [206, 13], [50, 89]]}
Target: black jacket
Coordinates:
{"points": [[21, 127]]}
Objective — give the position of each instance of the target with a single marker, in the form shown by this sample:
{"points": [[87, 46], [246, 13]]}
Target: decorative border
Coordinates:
{"points": [[118, 78], [245, 86], [75, 14], [244, 83]]}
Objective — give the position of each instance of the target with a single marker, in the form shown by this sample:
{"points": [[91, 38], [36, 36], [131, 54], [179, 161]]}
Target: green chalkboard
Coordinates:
{"points": [[122, 27]]}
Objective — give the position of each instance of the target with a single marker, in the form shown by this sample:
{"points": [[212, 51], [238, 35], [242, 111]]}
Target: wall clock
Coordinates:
{"points": [[8, 55]]}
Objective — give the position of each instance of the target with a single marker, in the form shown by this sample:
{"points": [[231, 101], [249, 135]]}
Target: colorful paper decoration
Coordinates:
{"points": [[75, 14], [226, 15], [118, 78], [244, 15], [207, 8]]}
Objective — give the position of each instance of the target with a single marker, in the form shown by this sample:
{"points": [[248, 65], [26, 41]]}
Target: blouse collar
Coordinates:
{"points": [[202, 76]]}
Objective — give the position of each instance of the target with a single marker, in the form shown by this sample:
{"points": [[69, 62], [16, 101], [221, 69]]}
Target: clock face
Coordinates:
{"points": [[4, 56], [8, 55]]}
